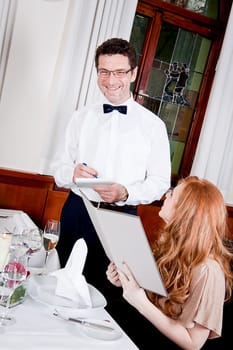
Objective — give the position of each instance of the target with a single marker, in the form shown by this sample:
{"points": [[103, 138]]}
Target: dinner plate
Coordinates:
{"points": [[42, 288]]}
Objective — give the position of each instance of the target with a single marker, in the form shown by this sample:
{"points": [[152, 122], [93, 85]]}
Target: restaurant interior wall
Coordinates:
{"points": [[25, 105]]}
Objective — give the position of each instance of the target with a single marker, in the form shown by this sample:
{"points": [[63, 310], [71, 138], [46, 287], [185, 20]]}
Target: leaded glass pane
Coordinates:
{"points": [[209, 8], [138, 34], [174, 83]]}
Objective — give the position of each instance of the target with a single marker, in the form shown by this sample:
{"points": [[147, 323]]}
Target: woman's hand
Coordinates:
{"points": [[112, 275], [132, 292]]}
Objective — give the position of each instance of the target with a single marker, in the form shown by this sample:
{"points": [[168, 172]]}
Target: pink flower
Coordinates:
{"points": [[16, 273]]}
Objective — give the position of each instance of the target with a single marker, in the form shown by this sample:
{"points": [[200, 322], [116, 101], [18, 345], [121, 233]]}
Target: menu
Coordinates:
{"points": [[124, 240]]}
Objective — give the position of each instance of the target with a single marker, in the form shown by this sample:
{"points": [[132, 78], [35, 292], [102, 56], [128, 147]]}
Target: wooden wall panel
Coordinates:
{"points": [[39, 197], [25, 191], [151, 220], [230, 222], [31, 200], [54, 204]]}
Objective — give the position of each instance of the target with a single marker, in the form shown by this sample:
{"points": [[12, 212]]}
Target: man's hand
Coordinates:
{"points": [[112, 193], [84, 171]]}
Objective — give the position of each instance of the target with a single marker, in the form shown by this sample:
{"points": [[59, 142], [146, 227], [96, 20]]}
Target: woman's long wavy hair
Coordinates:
{"points": [[196, 232]]}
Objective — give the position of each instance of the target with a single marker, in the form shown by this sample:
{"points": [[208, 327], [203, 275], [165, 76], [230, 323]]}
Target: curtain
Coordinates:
{"points": [[74, 83], [7, 14], [214, 155]]}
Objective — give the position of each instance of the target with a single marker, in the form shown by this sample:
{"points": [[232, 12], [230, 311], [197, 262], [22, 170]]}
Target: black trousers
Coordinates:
{"points": [[75, 224]]}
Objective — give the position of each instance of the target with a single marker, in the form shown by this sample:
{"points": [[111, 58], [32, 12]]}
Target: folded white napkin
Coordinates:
{"points": [[15, 221], [71, 283]]}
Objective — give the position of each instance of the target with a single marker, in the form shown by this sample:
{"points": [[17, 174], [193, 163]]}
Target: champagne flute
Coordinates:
{"points": [[50, 237]]}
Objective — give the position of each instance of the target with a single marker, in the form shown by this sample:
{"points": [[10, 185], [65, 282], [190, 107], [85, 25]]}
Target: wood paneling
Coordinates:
{"points": [[54, 204], [39, 197], [32, 193], [230, 222], [152, 222]]}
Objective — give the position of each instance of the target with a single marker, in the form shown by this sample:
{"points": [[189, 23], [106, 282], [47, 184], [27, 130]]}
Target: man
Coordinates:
{"points": [[129, 146]]}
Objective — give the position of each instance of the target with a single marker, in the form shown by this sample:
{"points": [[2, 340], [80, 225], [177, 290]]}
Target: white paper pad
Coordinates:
{"points": [[91, 182]]}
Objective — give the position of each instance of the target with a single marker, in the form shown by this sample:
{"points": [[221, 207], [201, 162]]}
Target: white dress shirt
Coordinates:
{"points": [[131, 149]]}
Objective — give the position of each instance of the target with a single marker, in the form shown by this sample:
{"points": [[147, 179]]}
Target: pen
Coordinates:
{"points": [[93, 175]]}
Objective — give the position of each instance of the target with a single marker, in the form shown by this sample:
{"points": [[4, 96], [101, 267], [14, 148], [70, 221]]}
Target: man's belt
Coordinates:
{"points": [[113, 206]]}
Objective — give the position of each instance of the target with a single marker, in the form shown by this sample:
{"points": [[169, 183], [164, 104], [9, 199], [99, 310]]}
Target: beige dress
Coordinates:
{"points": [[205, 304]]}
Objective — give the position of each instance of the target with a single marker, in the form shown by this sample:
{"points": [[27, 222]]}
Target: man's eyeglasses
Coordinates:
{"points": [[105, 73]]}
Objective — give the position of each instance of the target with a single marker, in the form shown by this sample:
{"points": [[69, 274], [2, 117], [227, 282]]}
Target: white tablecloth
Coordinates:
{"points": [[37, 328], [15, 221]]}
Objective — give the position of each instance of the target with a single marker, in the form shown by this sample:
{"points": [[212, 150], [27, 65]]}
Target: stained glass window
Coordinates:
{"points": [[174, 81], [207, 8]]}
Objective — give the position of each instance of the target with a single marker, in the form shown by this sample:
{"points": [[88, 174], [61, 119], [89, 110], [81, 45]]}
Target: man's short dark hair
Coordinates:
{"points": [[117, 46]]}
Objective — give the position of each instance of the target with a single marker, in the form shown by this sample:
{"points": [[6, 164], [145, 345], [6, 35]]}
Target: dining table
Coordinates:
{"points": [[41, 324], [36, 327]]}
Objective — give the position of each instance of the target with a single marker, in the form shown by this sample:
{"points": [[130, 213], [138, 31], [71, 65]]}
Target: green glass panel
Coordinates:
{"points": [[151, 103], [194, 82], [177, 119], [168, 113], [212, 9], [184, 46], [138, 34], [167, 41], [157, 79], [177, 150], [200, 54]]}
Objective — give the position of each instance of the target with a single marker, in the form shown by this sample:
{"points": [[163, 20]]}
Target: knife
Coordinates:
{"points": [[90, 324], [85, 322]]}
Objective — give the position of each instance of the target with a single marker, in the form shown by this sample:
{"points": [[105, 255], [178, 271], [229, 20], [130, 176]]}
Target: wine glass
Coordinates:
{"points": [[13, 274], [50, 236], [32, 240]]}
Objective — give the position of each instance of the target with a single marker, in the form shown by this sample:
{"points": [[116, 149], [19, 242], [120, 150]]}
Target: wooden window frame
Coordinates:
{"points": [[214, 30]]}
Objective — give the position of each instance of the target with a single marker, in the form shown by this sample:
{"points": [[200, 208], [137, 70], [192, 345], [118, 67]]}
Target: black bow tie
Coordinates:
{"points": [[109, 108]]}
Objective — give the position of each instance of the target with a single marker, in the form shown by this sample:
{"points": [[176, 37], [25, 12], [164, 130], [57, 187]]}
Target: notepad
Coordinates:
{"points": [[124, 240], [91, 182]]}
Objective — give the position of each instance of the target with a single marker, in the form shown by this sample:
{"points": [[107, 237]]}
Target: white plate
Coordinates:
{"points": [[42, 289], [90, 182]]}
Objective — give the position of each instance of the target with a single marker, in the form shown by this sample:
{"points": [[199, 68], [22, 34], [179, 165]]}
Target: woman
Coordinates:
{"points": [[194, 264]]}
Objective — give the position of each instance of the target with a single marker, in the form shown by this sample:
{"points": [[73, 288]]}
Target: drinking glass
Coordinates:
{"points": [[13, 274], [50, 236], [32, 240], [5, 243]]}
